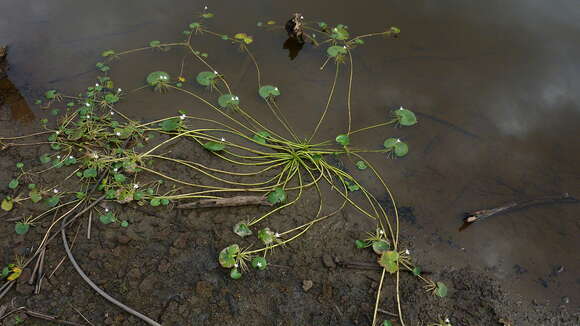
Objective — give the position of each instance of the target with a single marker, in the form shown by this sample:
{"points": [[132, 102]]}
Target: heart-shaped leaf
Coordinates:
{"points": [[21, 228], [13, 184], [268, 91], [339, 32], [35, 196], [7, 204], [227, 256], [441, 290], [235, 274], [157, 77], [405, 117], [343, 139], [336, 50], [266, 236], [228, 100], [278, 195], [259, 263], [107, 218], [170, 124], [389, 261], [261, 136], [52, 201], [90, 173], [111, 98], [360, 244], [361, 165], [213, 146], [242, 229], [381, 246], [205, 78], [399, 147]]}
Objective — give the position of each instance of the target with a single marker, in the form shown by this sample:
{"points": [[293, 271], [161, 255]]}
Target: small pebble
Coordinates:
{"points": [[307, 285], [328, 261], [565, 300]]}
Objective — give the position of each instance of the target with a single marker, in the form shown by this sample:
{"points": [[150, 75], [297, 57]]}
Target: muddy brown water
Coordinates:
{"points": [[494, 84]]}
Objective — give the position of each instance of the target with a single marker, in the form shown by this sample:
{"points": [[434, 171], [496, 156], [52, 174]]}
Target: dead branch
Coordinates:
{"points": [[227, 202]]}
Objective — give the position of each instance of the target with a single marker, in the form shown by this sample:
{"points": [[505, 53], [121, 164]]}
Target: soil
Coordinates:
{"points": [[165, 266]]}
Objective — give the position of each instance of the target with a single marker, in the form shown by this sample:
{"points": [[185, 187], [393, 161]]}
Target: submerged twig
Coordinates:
{"points": [[227, 202]]}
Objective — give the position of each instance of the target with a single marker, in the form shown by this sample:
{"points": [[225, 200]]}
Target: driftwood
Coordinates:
{"points": [[227, 202], [475, 216]]}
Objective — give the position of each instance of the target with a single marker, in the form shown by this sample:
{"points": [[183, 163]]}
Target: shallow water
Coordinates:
{"points": [[495, 85]]}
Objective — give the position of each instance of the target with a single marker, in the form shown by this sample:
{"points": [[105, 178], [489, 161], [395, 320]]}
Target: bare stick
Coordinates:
{"points": [[227, 202]]}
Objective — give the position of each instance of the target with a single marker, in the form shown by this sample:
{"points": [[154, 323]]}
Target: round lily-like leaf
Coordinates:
{"points": [[35, 196], [122, 133], [244, 37], [111, 98], [90, 173], [417, 271], [154, 44], [21, 228], [155, 202], [340, 32], [213, 146], [108, 53], [205, 78], [13, 184], [406, 117], [170, 124], [259, 263], [7, 204], [268, 91], [389, 261], [227, 256], [381, 246], [53, 201], [242, 229], [399, 147], [107, 218], [278, 195], [261, 136], [361, 165], [335, 50], [343, 139], [441, 290], [157, 77], [235, 274], [228, 100], [266, 236]]}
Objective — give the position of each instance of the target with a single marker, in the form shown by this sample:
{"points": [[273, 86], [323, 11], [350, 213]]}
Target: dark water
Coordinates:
{"points": [[496, 85]]}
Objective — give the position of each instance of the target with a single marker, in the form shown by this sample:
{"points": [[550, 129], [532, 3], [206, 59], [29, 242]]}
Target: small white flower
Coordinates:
{"points": [[275, 88], [58, 157], [87, 104], [407, 252], [277, 235], [55, 191], [71, 157], [259, 264], [344, 46], [401, 108], [223, 139], [97, 85], [182, 117], [334, 29], [112, 113], [118, 133], [215, 72], [381, 232], [301, 17], [236, 265], [313, 35], [205, 8], [447, 320], [237, 98], [135, 186], [119, 90], [115, 170], [398, 140], [106, 209], [57, 132], [88, 117]]}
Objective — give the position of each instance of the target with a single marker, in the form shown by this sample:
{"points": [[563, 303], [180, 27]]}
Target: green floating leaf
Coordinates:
{"points": [[381, 246], [244, 37], [35, 196], [21, 228], [268, 91], [164, 201], [360, 244], [7, 204], [107, 218], [389, 261], [336, 50], [242, 229], [361, 165], [228, 100], [227, 256], [138, 195], [417, 271], [261, 136], [207, 15], [111, 98], [157, 77], [19, 165], [278, 195], [359, 41], [266, 236], [119, 177], [441, 290], [235, 274], [154, 44], [13, 184], [155, 202], [170, 124], [70, 160], [107, 53], [213, 146], [259, 263], [322, 25], [52, 201], [124, 224], [340, 32], [52, 94], [399, 147], [206, 78], [90, 173], [343, 139], [194, 25], [394, 30], [406, 117], [352, 187]]}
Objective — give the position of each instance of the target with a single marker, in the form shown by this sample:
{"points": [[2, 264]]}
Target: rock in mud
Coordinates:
{"points": [[328, 261], [307, 285]]}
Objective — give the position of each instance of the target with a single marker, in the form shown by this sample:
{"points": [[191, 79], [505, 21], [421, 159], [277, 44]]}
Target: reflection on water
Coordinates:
{"points": [[293, 46], [495, 85], [12, 105]]}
